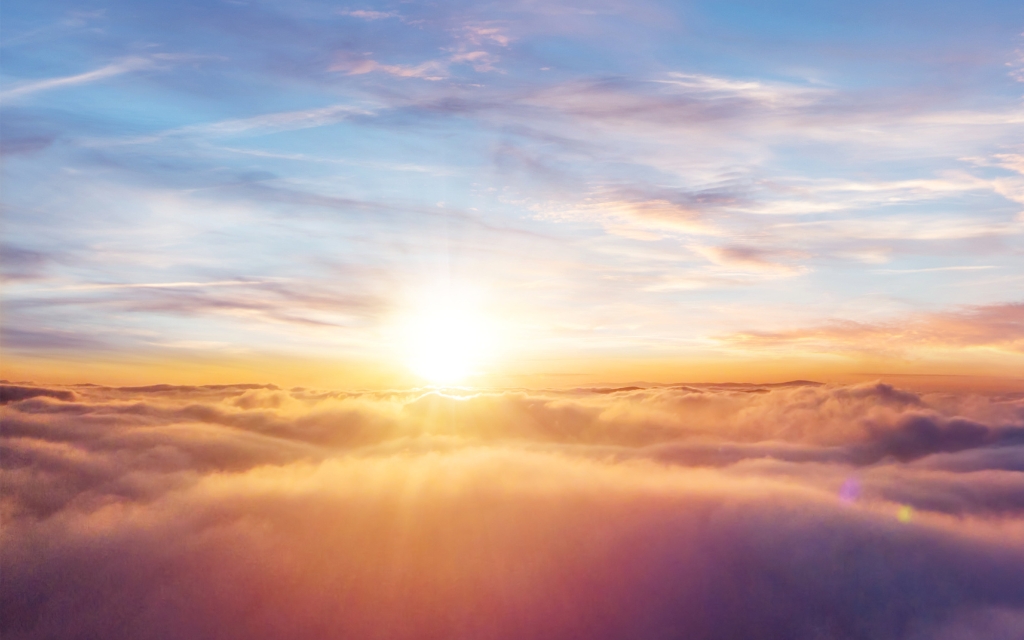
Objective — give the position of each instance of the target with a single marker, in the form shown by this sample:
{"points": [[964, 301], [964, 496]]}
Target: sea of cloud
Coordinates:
{"points": [[793, 511]]}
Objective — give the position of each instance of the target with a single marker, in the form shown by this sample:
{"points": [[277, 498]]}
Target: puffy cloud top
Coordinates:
{"points": [[793, 511]]}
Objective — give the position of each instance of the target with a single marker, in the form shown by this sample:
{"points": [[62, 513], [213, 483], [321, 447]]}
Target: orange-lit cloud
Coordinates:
{"points": [[253, 511]]}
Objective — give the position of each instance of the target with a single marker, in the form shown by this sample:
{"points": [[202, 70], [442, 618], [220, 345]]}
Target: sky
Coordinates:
{"points": [[301, 192]]}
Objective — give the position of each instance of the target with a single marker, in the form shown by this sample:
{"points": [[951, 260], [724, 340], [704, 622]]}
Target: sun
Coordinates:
{"points": [[446, 344]]}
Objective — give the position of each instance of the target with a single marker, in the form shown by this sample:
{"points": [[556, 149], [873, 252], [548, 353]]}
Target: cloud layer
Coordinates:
{"points": [[706, 511]]}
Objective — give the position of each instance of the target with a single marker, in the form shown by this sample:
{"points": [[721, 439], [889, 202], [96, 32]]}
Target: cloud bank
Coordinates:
{"points": [[699, 511]]}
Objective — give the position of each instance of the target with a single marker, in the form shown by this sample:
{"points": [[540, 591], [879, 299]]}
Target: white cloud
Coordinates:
{"points": [[114, 69], [369, 15]]}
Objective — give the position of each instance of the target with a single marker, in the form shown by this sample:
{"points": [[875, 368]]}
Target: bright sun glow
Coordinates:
{"points": [[446, 344]]}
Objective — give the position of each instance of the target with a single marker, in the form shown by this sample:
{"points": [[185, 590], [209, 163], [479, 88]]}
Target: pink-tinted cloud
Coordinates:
{"points": [[486, 34], [994, 326], [429, 70], [753, 258]]}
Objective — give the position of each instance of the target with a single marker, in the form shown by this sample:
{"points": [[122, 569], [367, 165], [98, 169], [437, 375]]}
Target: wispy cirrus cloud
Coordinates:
{"points": [[429, 70], [114, 69], [759, 259], [999, 327], [253, 301], [275, 122], [123, 66], [487, 33], [267, 123], [152, 285], [367, 14], [1017, 65], [17, 263], [646, 211]]}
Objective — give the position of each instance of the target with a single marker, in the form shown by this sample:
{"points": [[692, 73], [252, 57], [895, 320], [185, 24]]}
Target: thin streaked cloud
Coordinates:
{"points": [[931, 269], [114, 69], [151, 285]]}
